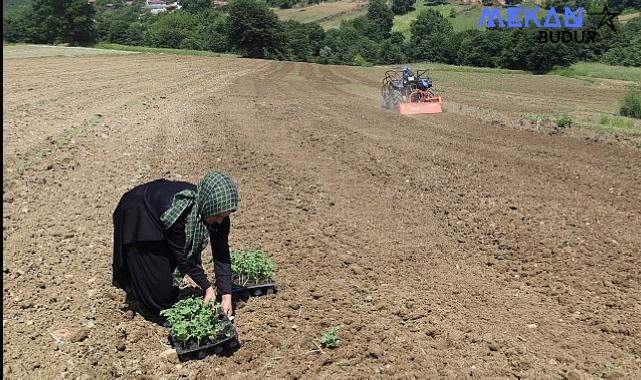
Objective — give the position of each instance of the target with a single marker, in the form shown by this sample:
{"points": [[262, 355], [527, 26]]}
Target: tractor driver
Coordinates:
{"points": [[408, 75]]}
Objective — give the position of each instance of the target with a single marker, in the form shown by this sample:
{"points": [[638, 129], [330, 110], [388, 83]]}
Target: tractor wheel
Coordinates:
{"points": [[387, 100], [397, 99], [388, 97]]}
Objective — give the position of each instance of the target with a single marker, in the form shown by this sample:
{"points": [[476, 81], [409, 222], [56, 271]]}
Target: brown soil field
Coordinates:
{"points": [[459, 245]]}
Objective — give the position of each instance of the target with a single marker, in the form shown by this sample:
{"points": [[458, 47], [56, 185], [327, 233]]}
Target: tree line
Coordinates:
{"points": [[251, 29]]}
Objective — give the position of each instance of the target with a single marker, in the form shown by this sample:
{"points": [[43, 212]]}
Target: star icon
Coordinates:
{"points": [[607, 18]]}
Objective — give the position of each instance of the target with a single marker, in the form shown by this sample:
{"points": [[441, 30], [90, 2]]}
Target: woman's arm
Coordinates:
{"points": [[176, 239], [219, 238]]}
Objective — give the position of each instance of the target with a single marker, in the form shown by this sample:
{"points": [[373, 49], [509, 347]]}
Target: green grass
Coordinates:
{"points": [[334, 22], [144, 49], [615, 124], [603, 123], [600, 70], [467, 16], [442, 67]]}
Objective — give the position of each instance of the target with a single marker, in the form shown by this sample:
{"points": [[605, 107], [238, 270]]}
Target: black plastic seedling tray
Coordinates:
{"points": [[227, 344], [254, 290]]}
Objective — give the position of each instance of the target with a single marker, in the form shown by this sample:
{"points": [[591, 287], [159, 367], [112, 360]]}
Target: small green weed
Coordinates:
{"points": [[330, 339], [609, 367]]}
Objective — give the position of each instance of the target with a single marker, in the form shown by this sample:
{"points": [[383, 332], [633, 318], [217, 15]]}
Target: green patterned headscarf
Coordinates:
{"points": [[215, 194]]}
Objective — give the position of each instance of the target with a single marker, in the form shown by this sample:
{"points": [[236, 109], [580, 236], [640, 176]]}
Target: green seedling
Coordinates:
{"points": [[253, 265], [609, 367], [193, 320], [330, 340], [564, 121]]}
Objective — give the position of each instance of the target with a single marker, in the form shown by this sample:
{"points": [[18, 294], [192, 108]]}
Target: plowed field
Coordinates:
{"points": [[462, 244]]}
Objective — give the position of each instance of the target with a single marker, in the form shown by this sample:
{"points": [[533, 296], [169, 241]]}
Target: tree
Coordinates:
{"points": [[349, 40], [17, 24], [392, 51], [211, 31], [433, 36], [400, 7], [326, 55], [298, 46], [481, 48], [303, 40], [427, 23], [524, 53], [69, 21], [436, 47], [625, 56], [381, 17], [253, 28], [358, 60], [170, 29]]}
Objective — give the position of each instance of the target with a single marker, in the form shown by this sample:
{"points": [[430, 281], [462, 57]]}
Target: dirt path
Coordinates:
{"points": [[442, 247]]}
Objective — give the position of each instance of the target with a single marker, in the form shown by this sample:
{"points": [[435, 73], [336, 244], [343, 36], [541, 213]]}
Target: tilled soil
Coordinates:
{"points": [[442, 245]]}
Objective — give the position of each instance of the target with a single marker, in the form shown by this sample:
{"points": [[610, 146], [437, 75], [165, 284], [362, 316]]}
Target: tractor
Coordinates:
{"points": [[408, 93]]}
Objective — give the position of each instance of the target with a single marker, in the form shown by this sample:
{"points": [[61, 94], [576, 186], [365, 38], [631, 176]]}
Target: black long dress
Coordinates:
{"points": [[146, 254]]}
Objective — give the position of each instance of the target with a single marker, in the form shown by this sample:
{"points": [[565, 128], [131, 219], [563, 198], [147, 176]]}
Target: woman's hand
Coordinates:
{"points": [[210, 295], [226, 305]]}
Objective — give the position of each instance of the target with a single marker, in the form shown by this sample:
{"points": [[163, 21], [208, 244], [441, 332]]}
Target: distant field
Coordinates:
{"points": [[328, 14], [581, 70], [467, 16], [152, 50], [629, 16], [600, 70], [35, 51], [334, 22]]}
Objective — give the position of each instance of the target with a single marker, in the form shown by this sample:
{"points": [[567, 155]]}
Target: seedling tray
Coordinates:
{"points": [[227, 344], [254, 290]]}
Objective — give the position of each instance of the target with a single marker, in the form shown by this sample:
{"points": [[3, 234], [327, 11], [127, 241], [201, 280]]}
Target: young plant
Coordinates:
{"points": [[253, 265], [193, 320], [330, 339], [564, 121]]}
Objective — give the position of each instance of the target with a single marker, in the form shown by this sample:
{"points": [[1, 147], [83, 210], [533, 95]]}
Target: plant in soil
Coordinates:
{"points": [[251, 267], [194, 321], [330, 339]]}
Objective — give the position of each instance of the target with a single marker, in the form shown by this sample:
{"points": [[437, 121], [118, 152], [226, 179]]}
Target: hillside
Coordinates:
{"points": [[330, 14]]}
